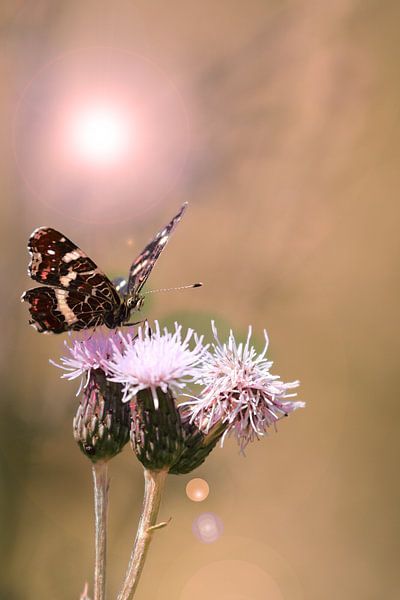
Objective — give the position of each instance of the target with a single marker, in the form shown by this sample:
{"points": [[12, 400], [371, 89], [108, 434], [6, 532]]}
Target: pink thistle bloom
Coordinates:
{"points": [[86, 351], [240, 391], [155, 359]]}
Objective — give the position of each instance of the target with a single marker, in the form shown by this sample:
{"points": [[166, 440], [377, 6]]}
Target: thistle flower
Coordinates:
{"points": [[89, 351], [152, 368], [101, 424], [155, 359], [239, 391]]}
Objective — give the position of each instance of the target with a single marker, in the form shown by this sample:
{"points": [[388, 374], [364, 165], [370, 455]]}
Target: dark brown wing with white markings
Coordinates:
{"points": [[55, 310], [58, 262], [77, 295], [143, 265]]}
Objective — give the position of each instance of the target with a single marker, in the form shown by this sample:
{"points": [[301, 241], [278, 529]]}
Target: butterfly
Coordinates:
{"points": [[76, 294]]}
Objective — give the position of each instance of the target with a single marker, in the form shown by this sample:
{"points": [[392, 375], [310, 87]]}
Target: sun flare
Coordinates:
{"points": [[100, 135]]}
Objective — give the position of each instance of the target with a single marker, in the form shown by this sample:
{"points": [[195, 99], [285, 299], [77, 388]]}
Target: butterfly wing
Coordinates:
{"points": [[58, 262], [55, 310], [143, 265], [81, 295]]}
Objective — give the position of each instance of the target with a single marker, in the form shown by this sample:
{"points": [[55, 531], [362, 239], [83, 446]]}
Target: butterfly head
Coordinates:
{"points": [[134, 302]]}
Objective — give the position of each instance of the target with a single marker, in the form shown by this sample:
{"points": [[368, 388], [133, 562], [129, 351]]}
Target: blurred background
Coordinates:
{"points": [[279, 123]]}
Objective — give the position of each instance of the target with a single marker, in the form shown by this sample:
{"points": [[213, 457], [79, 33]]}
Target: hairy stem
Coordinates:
{"points": [[154, 485], [101, 485]]}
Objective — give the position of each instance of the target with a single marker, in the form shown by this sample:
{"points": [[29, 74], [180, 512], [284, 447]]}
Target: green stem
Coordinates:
{"points": [[154, 485], [101, 485]]}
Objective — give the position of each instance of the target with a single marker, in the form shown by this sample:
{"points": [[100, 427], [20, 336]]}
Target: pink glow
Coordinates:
{"points": [[100, 135]]}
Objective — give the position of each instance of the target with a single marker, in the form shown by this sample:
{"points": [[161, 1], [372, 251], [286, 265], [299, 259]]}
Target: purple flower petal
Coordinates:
{"points": [[89, 350], [239, 390], [155, 359]]}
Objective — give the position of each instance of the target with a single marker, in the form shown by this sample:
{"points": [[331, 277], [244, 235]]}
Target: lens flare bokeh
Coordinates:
{"points": [[101, 132], [207, 527], [100, 135], [197, 489], [232, 580]]}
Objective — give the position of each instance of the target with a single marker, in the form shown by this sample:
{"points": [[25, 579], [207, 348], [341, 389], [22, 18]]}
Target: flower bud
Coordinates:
{"points": [[156, 433], [197, 445], [101, 424], [164, 437]]}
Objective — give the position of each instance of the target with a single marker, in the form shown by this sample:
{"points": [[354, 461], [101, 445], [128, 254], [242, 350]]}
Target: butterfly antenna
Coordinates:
{"points": [[174, 289]]}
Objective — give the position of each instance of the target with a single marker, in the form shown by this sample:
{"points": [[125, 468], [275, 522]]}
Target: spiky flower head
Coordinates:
{"points": [[89, 350], [155, 359], [239, 391]]}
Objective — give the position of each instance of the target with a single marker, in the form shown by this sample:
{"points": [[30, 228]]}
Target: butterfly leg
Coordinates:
{"points": [[132, 324], [98, 323]]}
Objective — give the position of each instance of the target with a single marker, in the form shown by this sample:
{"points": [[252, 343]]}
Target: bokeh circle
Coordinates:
{"points": [[237, 568], [231, 580], [207, 528], [197, 489]]}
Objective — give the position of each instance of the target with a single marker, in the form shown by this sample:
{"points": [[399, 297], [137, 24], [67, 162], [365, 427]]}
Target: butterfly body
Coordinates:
{"points": [[121, 315], [76, 294]]}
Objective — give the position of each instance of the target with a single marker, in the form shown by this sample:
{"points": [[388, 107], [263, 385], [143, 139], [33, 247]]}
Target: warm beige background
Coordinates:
{"points": [[292, 174]]}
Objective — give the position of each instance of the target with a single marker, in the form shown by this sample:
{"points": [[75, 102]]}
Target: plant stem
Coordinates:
{"points": [[154, 484], [101, 485]]}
